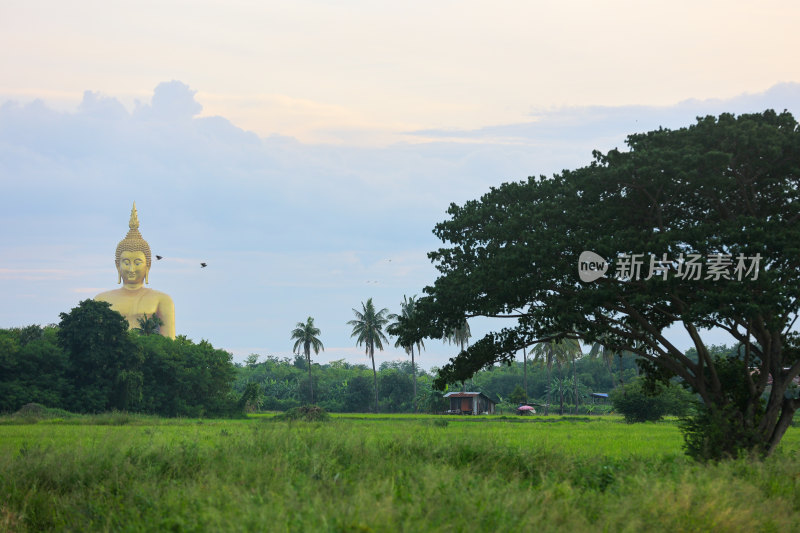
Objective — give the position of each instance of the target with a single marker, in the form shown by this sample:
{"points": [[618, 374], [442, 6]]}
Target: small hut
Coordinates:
{"points": [[602, 396], [470, 403]]}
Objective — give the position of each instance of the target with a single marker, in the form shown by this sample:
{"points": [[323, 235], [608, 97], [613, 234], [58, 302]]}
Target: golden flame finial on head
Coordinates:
{"points": [[133, 242], [134, 222]]}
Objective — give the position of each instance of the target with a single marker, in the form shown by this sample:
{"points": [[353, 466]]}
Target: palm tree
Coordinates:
{"points": [[149, 325], [459, 335], [368, 328], [572, 348], [544, 353], [559, 352], [307, 336], [407, 310], [599, 350]]}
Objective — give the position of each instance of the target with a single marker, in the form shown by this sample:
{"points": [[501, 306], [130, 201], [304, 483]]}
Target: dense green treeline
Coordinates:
{"points": [[91, 363], [343, 387], [338, 386]]}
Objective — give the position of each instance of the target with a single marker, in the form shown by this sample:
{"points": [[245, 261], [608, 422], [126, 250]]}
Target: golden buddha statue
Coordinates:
{"points": [[133, 300]]}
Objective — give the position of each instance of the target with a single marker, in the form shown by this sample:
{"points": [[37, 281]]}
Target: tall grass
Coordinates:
{"points": [[383, 474]]}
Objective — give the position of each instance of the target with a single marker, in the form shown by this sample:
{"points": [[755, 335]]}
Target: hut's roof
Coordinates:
{"points": [[465, 395]]}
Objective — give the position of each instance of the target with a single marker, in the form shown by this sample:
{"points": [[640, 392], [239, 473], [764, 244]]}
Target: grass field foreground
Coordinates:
{"points": [[382, 473]]}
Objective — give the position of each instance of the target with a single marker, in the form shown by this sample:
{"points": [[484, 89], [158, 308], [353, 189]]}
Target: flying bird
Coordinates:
{"points": [[202, 265]]}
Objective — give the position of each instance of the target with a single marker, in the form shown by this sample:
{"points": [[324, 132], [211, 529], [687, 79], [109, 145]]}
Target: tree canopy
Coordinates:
{"points": [[104, 364], [697, 227], [90, 362]]}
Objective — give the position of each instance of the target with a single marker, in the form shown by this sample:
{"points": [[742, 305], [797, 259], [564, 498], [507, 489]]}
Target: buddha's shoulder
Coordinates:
{"points": [[107, 296], [150, 294], [162, 296]]}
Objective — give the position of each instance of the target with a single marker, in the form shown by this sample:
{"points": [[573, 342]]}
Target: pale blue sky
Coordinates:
{"points": [[305, 150]]}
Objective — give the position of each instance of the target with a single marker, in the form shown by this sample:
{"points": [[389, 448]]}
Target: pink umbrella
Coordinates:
{"points": [[525, 408]]}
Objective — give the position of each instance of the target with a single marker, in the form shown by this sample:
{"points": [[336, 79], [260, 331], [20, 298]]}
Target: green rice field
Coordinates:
{"points": [[122, 472]]}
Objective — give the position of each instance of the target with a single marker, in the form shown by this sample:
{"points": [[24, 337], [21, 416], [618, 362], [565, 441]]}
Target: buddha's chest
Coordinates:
{"points": [[134, 306]]}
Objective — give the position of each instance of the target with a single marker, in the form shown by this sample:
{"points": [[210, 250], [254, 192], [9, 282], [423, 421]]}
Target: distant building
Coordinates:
{"points": [[470, 403]]}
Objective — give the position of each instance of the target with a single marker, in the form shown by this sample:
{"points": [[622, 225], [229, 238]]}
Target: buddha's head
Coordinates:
{"points": [[133, 254]]}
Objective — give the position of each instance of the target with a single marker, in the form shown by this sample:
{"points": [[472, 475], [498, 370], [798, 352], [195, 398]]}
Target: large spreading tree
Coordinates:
{"points": [[700, 229], [104, 364]]}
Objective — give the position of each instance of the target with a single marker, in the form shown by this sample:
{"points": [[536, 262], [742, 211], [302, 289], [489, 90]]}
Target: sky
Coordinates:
{"points": [[305, 150]]}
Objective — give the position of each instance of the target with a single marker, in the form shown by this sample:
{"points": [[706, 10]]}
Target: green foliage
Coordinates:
{"points": [[408, 310], [342, 387], [104, 366], [566, 388], [181, 378], [149, 325], [250, 400], [459, 334], [359, 392], [518, 395], [368, 327], [169, 382], [30, 413], [91, 363], [306, 413], [719, 430], [714, 434], [368, 330], [639, 401], [726, 187], [33, 368], [306, 336]]}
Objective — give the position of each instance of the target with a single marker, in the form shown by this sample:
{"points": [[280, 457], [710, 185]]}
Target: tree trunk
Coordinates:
{"points": [[414, 375], [787, 415], [549, 387], [525, 372], [574, 385], [621, 380], [609, 362], [374, 376], [310, 386], [560, 389]]}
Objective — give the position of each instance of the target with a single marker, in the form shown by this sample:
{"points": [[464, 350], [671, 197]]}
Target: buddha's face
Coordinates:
{"points": [[132, 267]]}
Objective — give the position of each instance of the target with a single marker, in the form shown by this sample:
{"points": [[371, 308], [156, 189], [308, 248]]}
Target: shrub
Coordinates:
{"points": [[717, 433], [306, 413], [639, 403], [33, 412], [717, 430], [517, 396]]}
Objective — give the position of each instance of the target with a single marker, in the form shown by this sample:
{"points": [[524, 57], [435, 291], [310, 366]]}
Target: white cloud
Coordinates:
{"points": [[31, 274], [288, 229], [172, 101]]}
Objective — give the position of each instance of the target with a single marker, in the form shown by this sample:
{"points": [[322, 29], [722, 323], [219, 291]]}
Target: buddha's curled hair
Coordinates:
{"points": [[133, 241]]}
